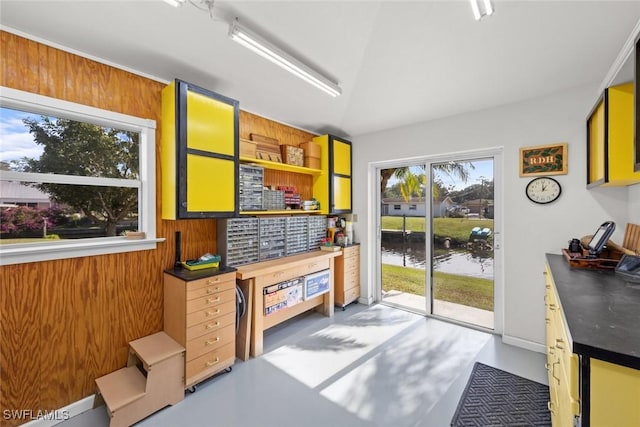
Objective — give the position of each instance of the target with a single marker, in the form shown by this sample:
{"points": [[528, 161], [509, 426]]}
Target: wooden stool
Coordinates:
{"points": [[153, 379]]}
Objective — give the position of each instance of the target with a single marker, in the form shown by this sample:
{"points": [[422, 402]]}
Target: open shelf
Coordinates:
{"points": [[282, 212], [281, 166]]}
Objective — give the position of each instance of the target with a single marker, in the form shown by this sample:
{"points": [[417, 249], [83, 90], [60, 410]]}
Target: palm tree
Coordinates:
{"points": [[458, 170]]}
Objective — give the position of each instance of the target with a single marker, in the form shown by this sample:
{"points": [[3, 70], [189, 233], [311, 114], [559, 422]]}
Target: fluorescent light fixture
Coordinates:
{"points": [[481, 8], [267, 50], [174, 3]]}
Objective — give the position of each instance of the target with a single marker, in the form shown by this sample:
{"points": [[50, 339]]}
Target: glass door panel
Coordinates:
{"points": [[403, 237], [461, 235]]}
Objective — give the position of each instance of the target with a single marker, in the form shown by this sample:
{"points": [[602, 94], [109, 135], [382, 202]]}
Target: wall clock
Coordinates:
{"points": [[543, 190]]}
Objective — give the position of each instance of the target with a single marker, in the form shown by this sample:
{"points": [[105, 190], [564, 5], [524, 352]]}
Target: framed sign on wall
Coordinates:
{"points": [[544, 160]]}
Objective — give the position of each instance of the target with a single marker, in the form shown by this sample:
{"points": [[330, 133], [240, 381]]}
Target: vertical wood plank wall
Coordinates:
{"points": [[64, 323]]}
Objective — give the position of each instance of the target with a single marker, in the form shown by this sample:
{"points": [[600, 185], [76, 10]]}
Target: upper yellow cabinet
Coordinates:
{"points": [[199, 153], [610, 139], [333, 189]]}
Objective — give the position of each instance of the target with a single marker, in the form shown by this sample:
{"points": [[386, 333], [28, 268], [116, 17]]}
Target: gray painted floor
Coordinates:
{"points": [[367, 366]]}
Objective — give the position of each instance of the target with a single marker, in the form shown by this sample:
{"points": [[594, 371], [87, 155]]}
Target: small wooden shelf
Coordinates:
{"points": [[282, 212], [281, 166]]}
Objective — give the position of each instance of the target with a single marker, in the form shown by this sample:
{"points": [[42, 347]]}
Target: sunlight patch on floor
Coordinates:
{"points": [[319, 357]]}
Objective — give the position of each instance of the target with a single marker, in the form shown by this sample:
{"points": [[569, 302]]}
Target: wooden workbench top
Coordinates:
{"points": [[265, 267]]}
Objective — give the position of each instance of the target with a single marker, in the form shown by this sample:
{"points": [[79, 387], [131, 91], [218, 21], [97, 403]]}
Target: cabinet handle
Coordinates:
{"points": [[213, 325], [550, 408], [213, 313], [552, 350], [213, 290], [560, 343], [547, 320], [211, 342], [553, 371], [552, 307], [212, 281], [213, 362], [212, 300]]}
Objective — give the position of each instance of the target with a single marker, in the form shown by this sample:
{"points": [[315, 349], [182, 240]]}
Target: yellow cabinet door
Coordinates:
{"points": [[610, 139], [615, 395], [199, 153], [333, 188]]}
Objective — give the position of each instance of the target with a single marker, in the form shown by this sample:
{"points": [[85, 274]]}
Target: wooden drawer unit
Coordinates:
{"points": [[347, 280], [199, 313]]}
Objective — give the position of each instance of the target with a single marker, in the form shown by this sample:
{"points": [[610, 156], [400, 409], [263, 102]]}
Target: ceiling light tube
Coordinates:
{"points": [[481, 8], [174, 3], [267, 50]]}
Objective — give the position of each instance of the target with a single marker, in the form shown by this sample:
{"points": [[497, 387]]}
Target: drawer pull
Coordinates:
{"points": [[550, 408], [212, 281], [547, 320], [213, 325], [560, 343], [553, 371], [213, 362], [552, 350], [212, 300], [552, 307], [211, 342], [213, 290], [213, 313]]}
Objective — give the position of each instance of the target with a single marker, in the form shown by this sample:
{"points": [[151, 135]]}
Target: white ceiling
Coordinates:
{"points": [[397, 62]]}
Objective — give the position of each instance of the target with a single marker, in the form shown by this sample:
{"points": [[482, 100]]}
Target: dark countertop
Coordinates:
{"points": [[188, 275], [602, 312]]}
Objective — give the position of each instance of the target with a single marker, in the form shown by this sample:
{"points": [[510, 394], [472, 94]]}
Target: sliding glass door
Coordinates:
{"points": [[437, 232]]}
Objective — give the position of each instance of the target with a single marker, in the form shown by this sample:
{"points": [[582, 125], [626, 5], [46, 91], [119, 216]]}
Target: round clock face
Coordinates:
{"points": [[543, 190]]}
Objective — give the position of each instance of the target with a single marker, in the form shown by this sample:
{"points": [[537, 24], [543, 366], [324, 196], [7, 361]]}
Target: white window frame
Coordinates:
{"points": [[32, 252]]}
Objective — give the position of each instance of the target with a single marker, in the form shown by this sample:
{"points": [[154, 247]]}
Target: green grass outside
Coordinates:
{"points": [[469, 291], [455, 228], [13, 241]]}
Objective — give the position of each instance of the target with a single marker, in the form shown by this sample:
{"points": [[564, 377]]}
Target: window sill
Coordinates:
{"points": [[21, 254]]}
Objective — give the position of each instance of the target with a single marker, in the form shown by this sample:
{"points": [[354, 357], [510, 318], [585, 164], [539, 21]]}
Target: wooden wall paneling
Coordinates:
{"points": [[302, 182], [251, 123], [64, 323], [20, 340]]}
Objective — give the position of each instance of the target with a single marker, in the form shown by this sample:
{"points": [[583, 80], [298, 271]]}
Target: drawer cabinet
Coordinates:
{"points": [[347, 280], [586, 389], [200, 314]]}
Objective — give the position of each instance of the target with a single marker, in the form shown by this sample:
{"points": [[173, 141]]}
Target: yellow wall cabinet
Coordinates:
{"points": [[199, 153], [584, 389], [333, 189], [610, 139]]}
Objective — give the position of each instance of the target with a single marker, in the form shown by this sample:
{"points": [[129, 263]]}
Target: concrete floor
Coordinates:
{"points": [[367, 366], [459, 312]]}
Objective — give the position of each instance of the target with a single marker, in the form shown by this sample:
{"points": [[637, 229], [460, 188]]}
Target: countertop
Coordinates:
{"points": [[602, 312], [188, 275]]}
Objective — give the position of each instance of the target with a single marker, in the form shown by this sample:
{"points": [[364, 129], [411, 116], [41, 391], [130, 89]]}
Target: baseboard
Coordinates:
{"points": [[51, 418], [527, 345]]}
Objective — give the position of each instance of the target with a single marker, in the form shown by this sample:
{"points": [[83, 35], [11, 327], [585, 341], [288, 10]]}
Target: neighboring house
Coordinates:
{"points": [[16, 194], [441, 208], [397, 206], [481, 207]]}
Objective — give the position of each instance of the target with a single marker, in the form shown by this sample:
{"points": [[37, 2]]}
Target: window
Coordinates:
{"points": [[413, 207], [396, 207], [73, 179]]}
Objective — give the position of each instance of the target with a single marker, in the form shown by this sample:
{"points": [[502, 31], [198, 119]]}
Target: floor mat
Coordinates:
{"points": [[497, 398]]}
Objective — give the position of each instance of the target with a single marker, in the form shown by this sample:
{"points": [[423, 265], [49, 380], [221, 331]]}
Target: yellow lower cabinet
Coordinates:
{"points": [[615, 395]]}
